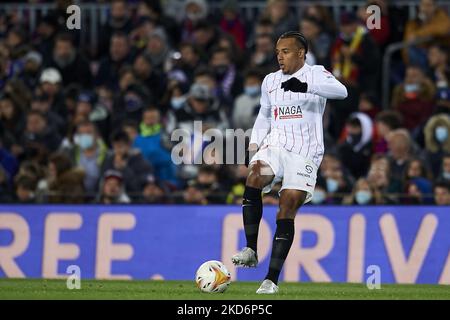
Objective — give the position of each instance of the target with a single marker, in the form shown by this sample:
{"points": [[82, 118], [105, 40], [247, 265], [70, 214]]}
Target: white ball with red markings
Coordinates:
{"points": [[212, 276]]}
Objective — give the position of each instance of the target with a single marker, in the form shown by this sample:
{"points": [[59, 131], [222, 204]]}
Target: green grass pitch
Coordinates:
{"points": [[186, 290]]}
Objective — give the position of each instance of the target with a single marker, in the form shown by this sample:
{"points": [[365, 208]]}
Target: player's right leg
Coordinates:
{"points": [[260, 175]]}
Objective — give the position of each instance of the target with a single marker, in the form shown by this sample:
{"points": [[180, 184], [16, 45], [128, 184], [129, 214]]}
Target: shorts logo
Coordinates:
{"points": [[288, 112], [309, 169]]}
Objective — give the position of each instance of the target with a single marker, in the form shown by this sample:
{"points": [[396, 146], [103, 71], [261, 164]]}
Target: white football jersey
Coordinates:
{"points": [[294, 120]]}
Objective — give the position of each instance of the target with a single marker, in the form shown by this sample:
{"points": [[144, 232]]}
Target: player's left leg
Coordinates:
{"points": [[290, 202]]}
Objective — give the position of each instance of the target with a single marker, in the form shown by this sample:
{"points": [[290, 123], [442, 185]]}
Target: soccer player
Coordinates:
{"points": [[287, 145]]}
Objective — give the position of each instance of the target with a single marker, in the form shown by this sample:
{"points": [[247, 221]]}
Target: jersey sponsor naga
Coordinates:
{"points": [[287, 112]]}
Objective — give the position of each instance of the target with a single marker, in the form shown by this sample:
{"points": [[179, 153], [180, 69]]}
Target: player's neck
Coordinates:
{"points": [[298, 68]]}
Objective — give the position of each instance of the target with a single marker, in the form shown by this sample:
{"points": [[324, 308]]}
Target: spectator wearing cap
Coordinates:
{"points": [[441, 191], [51, 85], [319, 42], [153, 79], [149, 140], [72, 65], [437, 140], [432, 22], [88, 152], [119, 21], [129, 161], [111, 65], [112, 189], [155, 191], [356, 150], [31, 69]]}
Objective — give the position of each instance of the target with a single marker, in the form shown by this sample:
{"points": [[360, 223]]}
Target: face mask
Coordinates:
{"points": [[332, 185], [318, 197], [446, 175], [84, 141], [441, 134], [411, 88], [64, 61], [220, 71], [177, 102], [252, 91], [363, 197]]}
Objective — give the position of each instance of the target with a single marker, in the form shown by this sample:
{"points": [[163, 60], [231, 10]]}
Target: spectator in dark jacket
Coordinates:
{"points": [[128, 161], [74, 68]]}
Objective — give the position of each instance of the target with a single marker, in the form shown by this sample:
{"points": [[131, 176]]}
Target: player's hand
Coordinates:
{"points": [[294, 85], [250, 152]]}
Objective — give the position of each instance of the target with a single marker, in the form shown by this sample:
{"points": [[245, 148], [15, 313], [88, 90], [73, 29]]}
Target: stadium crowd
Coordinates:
{"points": [[94, 126]]}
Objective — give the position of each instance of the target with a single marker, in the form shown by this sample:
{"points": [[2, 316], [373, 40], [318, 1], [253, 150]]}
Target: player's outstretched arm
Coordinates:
{"points": [[326, 85], [262, 123]]}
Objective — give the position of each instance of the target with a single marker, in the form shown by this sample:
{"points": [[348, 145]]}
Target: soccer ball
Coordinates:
{"points": [[212, 277]]}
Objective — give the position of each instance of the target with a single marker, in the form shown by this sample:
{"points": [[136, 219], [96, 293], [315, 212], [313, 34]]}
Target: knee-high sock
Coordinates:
{"points": [[282, 241], [252, 213]]}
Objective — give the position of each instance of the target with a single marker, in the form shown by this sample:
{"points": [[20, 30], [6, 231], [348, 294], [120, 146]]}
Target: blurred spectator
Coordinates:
{"points": [[189, 61], [128, 161], [228, 78], [206, 36], [194, 11], [445, 169], [441, 192], [282, 18], [319, 41], [153, 79], [416, 169], [89, 153], [8, 164], [112, 189], [440, 75], [414, 98], [51, 85], [437, 140], [41, 102], [31, 69], [74, 68], [323, 15], [263, 56], [46, 31], [65, 183], [119, 21], [131, 100], [153, 10], [231, 22], [385, 122], [193, 194], [246, 106], [12, 122], [208, 182], [25, 189], [149, 141], [379, 178], [338, 182], [368, 104], [17, 43], [39, 139], [320, 195], [399, 146], [364, 193], [355, 151], [158, 50], [381, 34], [238, 186], [431, 22], [154, 191], [110, 66], [418, 191]]}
